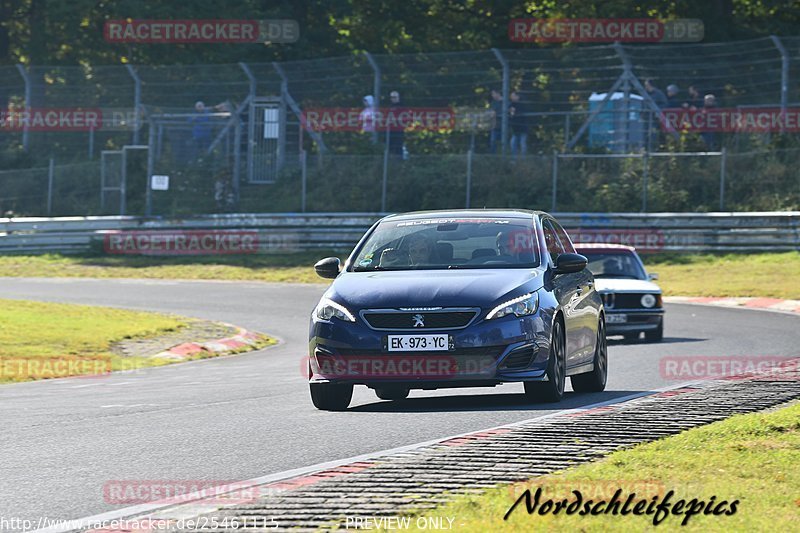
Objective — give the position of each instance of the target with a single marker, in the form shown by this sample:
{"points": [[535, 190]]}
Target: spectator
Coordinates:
{"points": [[710, 137], [201, 130], [397, 137], [672, 96], [496, 110], [518, 120], [368, 116], [656, 94], [694, 102]]}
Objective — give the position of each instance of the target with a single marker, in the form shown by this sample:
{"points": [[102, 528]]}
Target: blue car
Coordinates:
{"points": [[464, 298]]}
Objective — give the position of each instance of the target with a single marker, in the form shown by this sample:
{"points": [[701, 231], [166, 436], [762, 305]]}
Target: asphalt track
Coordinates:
{"points": [[247, 416]]}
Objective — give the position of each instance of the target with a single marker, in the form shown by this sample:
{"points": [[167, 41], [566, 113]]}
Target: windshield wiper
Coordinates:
{"points": [[627, 276]]}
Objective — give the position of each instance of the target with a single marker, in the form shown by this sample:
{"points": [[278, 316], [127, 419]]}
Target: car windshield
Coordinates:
{"points": [[615, 265], [449, 243]]}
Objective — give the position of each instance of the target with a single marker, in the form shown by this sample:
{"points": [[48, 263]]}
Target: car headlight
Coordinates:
{"points": [[327, 309], [648, 300], [521, 306]]}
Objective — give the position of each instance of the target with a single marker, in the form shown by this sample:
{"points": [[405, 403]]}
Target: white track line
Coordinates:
{"points": [[141, 509], [135, 510]]}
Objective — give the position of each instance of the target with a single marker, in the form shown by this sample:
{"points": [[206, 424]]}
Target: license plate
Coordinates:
{"points": [[418, 343], [616, 319]]}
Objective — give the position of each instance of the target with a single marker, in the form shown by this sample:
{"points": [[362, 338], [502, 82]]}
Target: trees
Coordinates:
{"points": [[60, 32]]}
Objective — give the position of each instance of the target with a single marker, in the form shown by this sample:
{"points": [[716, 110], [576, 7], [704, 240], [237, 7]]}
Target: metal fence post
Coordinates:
{"points": [[303, 179], [722, 162], [237, 157], [645, 171], [148, 206], [506, 92], [385, 179], [137, 100], [784, 73], [626, 97], [28, 92], [469, 176], [555, 181], [251, 114], [50, 172], [376, 88]]}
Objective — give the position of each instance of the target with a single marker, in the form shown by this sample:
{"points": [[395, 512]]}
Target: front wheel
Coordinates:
{"points": [[551, 390], [595, 381], [331, 396]]}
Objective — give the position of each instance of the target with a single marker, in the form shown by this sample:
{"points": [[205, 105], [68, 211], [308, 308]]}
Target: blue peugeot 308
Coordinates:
{"points": [[464, 298]]}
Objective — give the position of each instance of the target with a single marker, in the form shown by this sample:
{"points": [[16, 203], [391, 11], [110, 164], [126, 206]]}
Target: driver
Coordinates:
{"points": [[612, 266], [420, 249], [505, 246]]}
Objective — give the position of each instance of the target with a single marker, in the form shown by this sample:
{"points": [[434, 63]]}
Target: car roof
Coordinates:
{"points": [[456, 213], [603, 247]]}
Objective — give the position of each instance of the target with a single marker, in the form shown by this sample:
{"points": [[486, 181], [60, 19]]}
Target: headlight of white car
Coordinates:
{"points": [[520, 306], [648, 300], [327, 309]]}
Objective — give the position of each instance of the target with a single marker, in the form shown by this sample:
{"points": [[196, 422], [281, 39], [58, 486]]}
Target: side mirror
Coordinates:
{"points": [[327, 268], [652, 276], [568, 263]]}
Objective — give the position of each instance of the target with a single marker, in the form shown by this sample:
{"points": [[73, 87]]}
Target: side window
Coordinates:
{"points": [[564, 238], [553, 245]]}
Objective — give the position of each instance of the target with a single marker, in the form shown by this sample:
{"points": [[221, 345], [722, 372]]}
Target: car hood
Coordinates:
{"points": [[431, 288], [625, 285]]}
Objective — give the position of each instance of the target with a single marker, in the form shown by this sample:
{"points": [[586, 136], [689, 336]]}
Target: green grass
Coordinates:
{"points": [[774, 275], [296, 267], [768, 275], [44, 340], [751, 458]]}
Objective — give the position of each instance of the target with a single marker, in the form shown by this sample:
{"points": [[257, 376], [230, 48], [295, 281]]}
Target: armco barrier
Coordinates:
{"points": [[281, 233]]}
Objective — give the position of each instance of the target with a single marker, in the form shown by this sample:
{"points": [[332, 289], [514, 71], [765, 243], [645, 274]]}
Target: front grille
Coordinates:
{"points": [[623, 300], [423, 321]]}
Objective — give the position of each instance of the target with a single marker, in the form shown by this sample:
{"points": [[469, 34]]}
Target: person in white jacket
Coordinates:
{"points": [[368, 116]]}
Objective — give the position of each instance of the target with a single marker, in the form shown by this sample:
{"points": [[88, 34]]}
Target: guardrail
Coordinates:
{"points": [[281, 233]]}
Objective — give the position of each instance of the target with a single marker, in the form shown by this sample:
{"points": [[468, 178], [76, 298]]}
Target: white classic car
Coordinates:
{"points": [[631, 300]]}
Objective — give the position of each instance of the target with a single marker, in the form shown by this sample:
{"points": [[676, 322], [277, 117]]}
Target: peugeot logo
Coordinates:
{"points": [[419, 321]]}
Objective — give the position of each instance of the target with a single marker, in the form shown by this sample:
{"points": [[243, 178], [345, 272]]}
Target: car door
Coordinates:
{"points": [[587, 307], [565, 288]]}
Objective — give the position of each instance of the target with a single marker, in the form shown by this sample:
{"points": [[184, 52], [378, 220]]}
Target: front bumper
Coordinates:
{"points": [[638, 320], [486, 353]]}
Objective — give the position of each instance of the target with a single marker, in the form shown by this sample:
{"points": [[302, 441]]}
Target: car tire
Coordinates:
{"points": [[656, 335], [631, 337], [595, 381], [331, 396], [392, 393], [552, 390]]}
